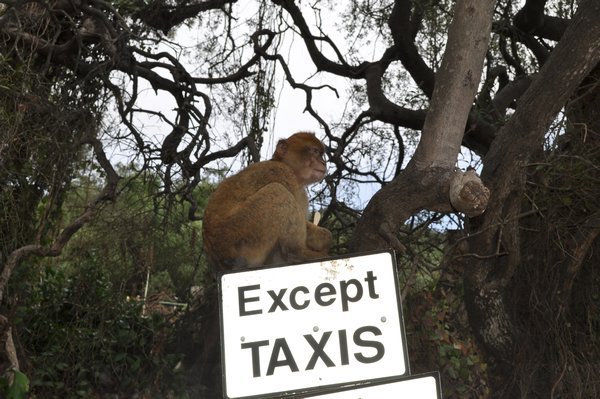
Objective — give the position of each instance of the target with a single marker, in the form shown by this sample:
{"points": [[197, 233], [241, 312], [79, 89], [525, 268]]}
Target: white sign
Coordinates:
{"points": [[417, 387], [317, 324]]}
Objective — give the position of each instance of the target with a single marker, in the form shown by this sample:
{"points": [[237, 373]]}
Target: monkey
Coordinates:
{"points": [[258, 216]]}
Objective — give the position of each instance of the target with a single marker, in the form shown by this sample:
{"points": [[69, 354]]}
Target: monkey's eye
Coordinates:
{"points": [[316, 153]]}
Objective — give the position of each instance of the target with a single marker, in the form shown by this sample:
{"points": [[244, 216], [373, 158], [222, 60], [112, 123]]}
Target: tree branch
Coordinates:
{"points": [[165, 16], [577, 53], [531, 19], [321, 62], [403, 31], [108, 193], [425, 183]]}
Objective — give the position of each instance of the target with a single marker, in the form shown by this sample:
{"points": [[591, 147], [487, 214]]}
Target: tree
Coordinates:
{"points": [[531, 125]]}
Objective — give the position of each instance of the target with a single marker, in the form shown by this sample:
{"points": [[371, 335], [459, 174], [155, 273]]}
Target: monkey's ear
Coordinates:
{"points": [[281, 149]]}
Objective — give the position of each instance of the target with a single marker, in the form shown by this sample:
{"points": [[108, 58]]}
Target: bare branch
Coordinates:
{"points": [[403, 32], [321, 62]]}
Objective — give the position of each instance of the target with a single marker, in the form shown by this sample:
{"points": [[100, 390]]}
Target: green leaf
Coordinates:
{"points": [[19, 387]]}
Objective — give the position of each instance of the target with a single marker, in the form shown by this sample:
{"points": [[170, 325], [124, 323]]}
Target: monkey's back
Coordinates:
{"points": [[235, 214], [235, 190]]}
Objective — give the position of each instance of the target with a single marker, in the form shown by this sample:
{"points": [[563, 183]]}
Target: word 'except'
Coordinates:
{"points": [[300, 297]]}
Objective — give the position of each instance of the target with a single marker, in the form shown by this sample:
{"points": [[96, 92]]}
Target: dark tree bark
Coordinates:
{"points": [[496, 247]]}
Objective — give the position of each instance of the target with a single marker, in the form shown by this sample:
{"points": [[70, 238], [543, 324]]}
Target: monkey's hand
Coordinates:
{"points": [[318, 238]]}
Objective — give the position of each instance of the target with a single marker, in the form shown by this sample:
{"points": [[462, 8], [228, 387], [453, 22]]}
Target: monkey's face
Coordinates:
{"points": [[304, 153], [313, 165]]}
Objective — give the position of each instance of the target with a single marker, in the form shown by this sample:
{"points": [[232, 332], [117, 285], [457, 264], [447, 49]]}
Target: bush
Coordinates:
{"points": [[82, 340]]}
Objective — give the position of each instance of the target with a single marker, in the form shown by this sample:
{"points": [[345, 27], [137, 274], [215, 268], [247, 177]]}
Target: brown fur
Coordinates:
{"points": [[259, 216]]}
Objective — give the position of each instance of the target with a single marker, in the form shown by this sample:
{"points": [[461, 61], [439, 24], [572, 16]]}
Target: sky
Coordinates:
{"points": [[288, 115]]}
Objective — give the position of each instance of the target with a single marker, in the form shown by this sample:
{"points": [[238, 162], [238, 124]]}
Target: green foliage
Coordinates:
{"points": [[439, 337], [82, 338], [36, 167], [81, 319], [18, 388], [442, 341], [461, 362], [143, 232]]}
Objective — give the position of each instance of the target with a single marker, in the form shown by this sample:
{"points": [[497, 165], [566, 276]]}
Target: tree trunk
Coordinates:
{"points": [[498, 252], [426, 182]]}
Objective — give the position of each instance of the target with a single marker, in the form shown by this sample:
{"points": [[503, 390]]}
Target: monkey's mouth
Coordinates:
{"points": [[320, 172]]}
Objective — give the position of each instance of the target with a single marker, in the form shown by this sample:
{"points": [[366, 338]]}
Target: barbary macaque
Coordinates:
{"points": [[259, 216]]}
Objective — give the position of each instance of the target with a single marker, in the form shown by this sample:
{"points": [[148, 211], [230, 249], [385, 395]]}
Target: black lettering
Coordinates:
{"points": [[293, 300], [277, 300], [370, 279], [343, 347], [379, 348], [243, 300], [344, 292], [281, 345], [324, 289], [318, 350], [255, 355]]}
